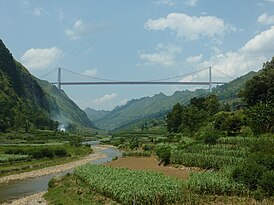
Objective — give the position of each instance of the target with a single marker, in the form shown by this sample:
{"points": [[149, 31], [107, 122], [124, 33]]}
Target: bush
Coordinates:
{"points": [[267, 183], [164, 153], [148, 147], [137, 154], [60, 152], [249, 173], [210, 140], [264, 159]]}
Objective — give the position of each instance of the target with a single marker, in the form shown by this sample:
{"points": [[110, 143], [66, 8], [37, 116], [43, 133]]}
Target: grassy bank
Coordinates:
{"points": [[71, 190], [38, 157]]}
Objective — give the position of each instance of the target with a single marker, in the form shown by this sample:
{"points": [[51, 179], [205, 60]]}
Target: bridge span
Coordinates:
{"points": [[59, 82]]}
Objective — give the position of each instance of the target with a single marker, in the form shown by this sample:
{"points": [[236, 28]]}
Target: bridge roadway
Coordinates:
{"points": [[139, 83]]}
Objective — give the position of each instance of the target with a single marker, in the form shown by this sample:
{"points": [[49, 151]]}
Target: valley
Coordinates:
{"points": [[190, 147]]}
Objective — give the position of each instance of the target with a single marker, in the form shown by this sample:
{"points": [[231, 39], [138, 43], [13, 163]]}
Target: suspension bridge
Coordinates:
{"points": [[163, 81]]}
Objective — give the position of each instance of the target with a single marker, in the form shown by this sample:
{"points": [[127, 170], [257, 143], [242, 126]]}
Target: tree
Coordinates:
{"points": [[212, 104], [193, 119], [174, 118], [260, 89], [229, 122], [261, 118], [259, 96]]}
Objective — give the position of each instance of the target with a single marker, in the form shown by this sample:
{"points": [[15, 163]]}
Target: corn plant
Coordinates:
{"points": [[203, 160], [132, 187], [4, 158], [214, 183]]}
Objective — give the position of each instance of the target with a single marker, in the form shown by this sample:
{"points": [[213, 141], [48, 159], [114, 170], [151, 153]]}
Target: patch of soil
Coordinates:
{"points": [[151, 164]]}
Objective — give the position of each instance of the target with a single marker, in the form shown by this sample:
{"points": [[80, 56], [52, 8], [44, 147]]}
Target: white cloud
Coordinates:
{"points": [[38, 11], [165, 2], [191, 2], [266, 19], [191, 27], [123, 101], [250, 57], [272, 1], [165, 55], [215, 49], [105, 99], [78, 30], [261, 43], [194, 59], [90, 72], [39, 58]]}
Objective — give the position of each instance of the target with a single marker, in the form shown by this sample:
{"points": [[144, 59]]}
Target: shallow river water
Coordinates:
{"points": [[20, 188]]}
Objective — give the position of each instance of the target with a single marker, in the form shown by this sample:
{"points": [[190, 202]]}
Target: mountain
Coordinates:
{"points": [[231, 90], [26, 100], [157, 106], [62, 108], [22, 100], [95, 115], [144, 108]]}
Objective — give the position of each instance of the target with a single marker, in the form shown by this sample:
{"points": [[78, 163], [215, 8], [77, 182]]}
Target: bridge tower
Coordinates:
{"points": [[59, 79], [210, 79]]}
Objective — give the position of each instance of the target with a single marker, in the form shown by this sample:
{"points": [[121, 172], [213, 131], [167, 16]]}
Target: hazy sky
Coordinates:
{"points": [[137, 40]]}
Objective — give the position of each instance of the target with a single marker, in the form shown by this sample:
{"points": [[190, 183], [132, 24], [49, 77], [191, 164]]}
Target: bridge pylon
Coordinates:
{"points": [[210, 79], [59, 79]]}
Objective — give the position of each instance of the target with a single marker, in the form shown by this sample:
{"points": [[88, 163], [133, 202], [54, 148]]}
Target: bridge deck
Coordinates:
{"points": [[138, 83]]}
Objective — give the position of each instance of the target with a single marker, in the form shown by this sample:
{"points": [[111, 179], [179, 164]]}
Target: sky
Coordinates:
{"points": [[131, 40]]}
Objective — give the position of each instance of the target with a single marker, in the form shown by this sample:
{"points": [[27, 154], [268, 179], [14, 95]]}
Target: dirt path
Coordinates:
{"points": [[57, 168]]}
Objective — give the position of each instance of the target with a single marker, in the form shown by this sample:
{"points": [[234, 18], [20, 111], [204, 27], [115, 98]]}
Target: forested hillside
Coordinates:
{"points": [[27, 102], [159, 105], [22, 101], [250, 127], [62, 108]]}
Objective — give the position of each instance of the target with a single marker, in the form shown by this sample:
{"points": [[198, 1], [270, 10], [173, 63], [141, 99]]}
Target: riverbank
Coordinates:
{"points": [[58, 168], [35, 199]]}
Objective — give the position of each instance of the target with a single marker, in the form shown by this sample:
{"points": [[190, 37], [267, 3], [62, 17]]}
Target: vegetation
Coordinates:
{"points": [[122, 186], [9, 158], [40, 148], [137, 154], [215, 183], [71, 190], [231, 145], [227, 136], [234, 140], [62, 108], [127, 117], [22, 101]]}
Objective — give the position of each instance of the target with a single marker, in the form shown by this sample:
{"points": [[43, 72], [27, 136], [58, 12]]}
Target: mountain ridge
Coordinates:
{"points": [[25, 97], [159, 104]]}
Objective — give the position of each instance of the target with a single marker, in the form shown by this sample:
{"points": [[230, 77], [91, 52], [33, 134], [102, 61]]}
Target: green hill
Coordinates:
{"points": [[95, 115], [62, 108], [144, 108], [157, 106], [22, 101], [28, 101]]}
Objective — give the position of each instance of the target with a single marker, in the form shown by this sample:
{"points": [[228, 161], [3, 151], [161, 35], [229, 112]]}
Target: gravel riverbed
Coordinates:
{"points": [[37, 199]]}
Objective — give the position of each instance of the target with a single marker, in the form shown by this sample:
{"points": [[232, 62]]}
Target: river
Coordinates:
{"points": [[19, 188]]}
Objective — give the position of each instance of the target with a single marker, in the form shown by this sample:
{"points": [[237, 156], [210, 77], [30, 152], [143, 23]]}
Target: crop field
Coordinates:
{"points": [[4, 158], [214, 183], [205, 161], [132, 187]]}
